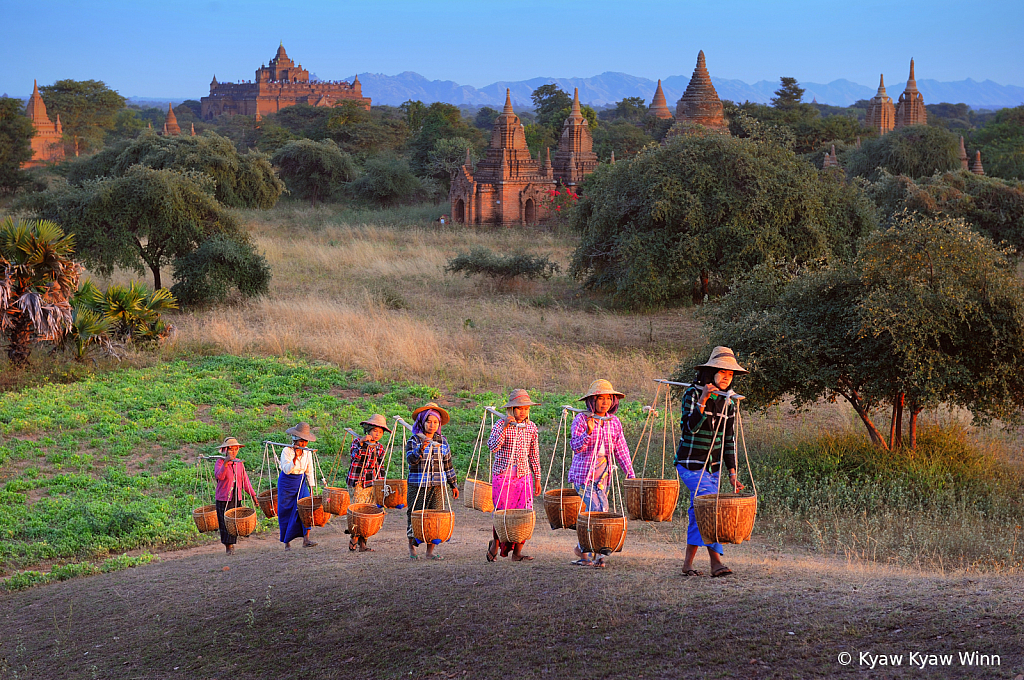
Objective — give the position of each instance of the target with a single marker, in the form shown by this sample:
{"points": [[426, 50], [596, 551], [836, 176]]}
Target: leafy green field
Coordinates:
{"points": [[107, 465]]}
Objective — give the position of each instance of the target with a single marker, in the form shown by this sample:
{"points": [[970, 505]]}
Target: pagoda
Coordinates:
{"points": [[277, 86], [964, 165], [881, 115], [910, 109], [659, 107], [976, 168], [699, 107], [171, 126], [575, 158], [48, 141]]}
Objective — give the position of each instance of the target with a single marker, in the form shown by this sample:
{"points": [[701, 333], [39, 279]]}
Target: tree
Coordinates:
{"points": [[789, 93], [624, 138], [485, 118], [131, 314], [240, 180], [37, 279], [209, 273], [127, 125], [447, 156], [314, 170], [707, 206], [16, 132], [915, 151], [438, 121], [1001, 142], [364, 133], [145, 218], [86, 109], [929, 312], [550, 101], [630, 109], [387, 180]]}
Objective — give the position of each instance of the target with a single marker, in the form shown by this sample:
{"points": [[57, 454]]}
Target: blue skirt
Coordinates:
{"points": [[709, 484], [290, 488]]}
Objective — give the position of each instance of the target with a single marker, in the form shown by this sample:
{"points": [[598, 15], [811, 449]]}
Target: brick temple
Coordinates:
{"points": [[659, 106], [48, 142], [910, 108], [700, 107], [509, 186], [881, 115], [278, 86]]}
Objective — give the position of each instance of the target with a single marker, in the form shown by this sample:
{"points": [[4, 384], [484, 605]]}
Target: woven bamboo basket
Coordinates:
{"points": [[562, 506], [335, 500], [514, 526], [434, 526], [601, 532], [206, 518], [364, 519], [268, 502], [312, 513], [735, 517], [651, 500], [390, 493], [240, 521], [478, 495]]}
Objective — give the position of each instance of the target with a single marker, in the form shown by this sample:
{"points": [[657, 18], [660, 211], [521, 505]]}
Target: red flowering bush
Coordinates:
{"points": [[558, 203]]}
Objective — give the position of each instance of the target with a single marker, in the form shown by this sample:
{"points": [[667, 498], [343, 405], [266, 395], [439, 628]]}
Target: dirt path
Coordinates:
{"points": [[324, 612]]}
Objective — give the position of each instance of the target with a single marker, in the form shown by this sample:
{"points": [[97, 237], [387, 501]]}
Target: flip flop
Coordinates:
{"points": [[582, 563], [413, 556], [365, 549], [523, 558], [721, 571], [600, 564], [491, 556], [693, 572], [310, 544], [436, 557], [353, 543]]}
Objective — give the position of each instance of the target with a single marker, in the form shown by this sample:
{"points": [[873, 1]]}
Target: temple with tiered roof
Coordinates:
{"points": [[171, 126], [278, 86], [699, 108], [881, 115], [575, 158], [910, 108], [659, 106], [48, 141]]}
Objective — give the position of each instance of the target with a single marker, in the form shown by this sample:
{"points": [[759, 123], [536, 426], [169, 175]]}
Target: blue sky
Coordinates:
{"points": [[171, 49]]}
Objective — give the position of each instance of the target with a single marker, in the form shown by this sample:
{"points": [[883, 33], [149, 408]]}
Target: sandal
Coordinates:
{"points": [[600, 564], [522, 558], [582, 563], [721, 571], [693, 572], [491, 556], [436, 557], [353, 543], [310, 544]]}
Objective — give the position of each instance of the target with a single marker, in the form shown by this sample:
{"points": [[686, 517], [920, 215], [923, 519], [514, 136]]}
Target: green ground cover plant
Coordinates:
{"points": [[106, 465]]}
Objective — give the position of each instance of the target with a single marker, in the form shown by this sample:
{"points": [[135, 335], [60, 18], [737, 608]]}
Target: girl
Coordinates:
{"points": [[295, 481], [230, 474], [514, 444], [367, 457], [702, 414], [593, 444], [430, 466]]}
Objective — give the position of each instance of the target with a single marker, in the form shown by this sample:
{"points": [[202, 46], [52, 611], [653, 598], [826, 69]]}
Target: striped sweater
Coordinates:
{"points": [[695, 442]]}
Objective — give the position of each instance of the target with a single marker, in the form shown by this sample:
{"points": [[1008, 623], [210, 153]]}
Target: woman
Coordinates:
{"points": [[514, 445], [296, 481], [230, 474], [593, 444], [367, 458], [430, 466], [708, 424]]}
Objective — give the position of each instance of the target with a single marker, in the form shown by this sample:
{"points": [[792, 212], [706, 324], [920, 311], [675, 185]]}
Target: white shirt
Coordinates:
{"points": [[303, 466]]}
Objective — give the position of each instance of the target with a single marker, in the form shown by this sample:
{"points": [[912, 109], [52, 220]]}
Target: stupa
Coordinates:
{"points": [[881, 115], [910, 109], [659, 107], [575, 158], [699, 107], [48, 142], [171, 126]]}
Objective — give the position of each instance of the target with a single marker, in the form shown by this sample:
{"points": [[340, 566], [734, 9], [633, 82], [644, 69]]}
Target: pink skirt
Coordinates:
{"points": [[510, 492]]}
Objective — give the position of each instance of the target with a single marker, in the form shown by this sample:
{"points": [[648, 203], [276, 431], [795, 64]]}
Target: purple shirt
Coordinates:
{"points": [[226, 473], [607, 434]]}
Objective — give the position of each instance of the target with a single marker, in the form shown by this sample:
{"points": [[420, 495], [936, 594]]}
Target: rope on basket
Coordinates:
{"points": [[431, 447], [507, 486], [615, 507]]}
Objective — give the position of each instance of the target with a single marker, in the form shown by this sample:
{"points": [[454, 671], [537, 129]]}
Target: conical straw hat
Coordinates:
{"points": [[724, 358], [601, 387]]}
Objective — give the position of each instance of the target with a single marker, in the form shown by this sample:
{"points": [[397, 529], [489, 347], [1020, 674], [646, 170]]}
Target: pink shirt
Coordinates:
{"points": [[226, 473]]}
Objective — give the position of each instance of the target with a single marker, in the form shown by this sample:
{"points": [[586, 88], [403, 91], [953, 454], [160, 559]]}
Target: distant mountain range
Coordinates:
{"points": [[611, 87]]}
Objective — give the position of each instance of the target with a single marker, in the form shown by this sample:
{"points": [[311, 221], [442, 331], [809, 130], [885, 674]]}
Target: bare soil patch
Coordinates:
{"points": [[324, 612]]}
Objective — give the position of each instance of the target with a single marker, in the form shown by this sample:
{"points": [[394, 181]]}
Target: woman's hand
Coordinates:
{"points": [[590, 424], [705, 393], [455, 492], [737, 485], [536, 487]]}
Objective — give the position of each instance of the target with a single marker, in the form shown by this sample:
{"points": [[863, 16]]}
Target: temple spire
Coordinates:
{"points": [[881, 83], [963, 155], [613, 152], [977, 169], [508, 101], [659, 107], [193, 129]]}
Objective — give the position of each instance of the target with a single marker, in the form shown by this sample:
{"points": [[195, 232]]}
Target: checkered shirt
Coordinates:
{"points": [[584, 448], [366, 464], [515, 446]]}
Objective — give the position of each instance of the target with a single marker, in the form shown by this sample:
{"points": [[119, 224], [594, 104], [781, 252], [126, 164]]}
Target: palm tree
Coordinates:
{"points": [[37, 279], [132, 312]]}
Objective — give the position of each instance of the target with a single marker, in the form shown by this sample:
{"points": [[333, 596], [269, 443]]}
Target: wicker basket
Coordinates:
{"points": [[434, 526], [514, 526], [390, 493], [601, 532], [364, 519], [335, 500], [268, 502], [206, 518], [562, 506], [240, 521], [312, 513], [478, 495], [651, 500], [734, 520]]}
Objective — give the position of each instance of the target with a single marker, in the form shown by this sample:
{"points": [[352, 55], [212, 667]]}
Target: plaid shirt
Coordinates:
{"points": [[696, 448], [366, 464], [584, 448], [440, 470], [514, 447]]}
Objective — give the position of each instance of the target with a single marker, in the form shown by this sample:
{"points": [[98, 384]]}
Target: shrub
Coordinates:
{"points": [[503, 268], [208, 273], [387, 180], [312, 170], [915, 151]]}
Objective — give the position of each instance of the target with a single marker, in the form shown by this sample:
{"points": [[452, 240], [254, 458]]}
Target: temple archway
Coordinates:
{"points": [[460, 211], [531, 211]]}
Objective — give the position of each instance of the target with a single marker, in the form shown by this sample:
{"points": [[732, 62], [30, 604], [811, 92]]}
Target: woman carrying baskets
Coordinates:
{"points": [[430, 467], [708, 420], [514, 444], [367, 456], [230, 474], [296, 481], [597, 443]]}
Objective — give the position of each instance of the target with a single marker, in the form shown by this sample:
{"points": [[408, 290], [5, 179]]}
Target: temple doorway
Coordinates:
{"points": [[460, 211], [531, 211]]}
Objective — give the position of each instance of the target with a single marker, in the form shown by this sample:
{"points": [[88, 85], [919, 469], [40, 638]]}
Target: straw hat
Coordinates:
{"points": [[433, 407], [377, 420], [519, 397], [301, 431], [601, 387], [724, 358], [228, 443]]}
